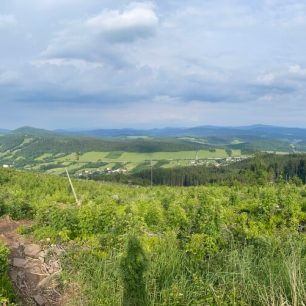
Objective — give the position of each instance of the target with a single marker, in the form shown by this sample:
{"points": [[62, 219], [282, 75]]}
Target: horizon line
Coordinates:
{"points": [[74, 129]]}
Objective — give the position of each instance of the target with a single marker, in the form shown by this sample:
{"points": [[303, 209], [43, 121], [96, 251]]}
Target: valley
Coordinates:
{"points": [[130, 151]]}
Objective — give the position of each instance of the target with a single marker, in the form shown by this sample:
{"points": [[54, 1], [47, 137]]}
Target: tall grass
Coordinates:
{"points": [[272, 273], [97, 276]]}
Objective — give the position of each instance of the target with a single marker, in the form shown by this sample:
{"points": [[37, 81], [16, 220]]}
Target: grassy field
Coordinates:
{"points": [[139, 157], [129, 160], [51, 153], [44, 156]]}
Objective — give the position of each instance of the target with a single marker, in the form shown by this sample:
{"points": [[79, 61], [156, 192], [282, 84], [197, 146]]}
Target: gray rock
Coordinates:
{"points": [[14, 276], [39, 300], [32, 250], [19, 263]]}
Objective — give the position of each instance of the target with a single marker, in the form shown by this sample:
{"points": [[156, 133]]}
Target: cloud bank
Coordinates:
{"points": [[143, 64]]}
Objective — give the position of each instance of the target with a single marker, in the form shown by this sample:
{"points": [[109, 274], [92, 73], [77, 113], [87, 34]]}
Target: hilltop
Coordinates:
{"points": [[260, 131]]}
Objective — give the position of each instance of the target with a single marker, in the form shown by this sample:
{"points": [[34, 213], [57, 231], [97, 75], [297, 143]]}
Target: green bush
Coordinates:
{"points": [[6, 289]]}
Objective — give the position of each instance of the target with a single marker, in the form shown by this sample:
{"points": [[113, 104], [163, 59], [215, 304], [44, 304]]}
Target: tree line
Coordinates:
{"points": [[261, 169]]}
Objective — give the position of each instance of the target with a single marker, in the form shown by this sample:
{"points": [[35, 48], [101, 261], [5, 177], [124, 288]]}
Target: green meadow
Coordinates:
{"points": [[127, 160], [139, 157]]}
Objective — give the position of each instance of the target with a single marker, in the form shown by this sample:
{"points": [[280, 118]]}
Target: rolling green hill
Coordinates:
{"points": [[43, 150]]}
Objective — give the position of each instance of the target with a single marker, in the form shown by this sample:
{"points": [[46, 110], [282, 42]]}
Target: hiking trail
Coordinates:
{"points": [[33, 268]]}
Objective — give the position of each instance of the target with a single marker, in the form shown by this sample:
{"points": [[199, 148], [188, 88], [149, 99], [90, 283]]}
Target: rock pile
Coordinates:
{"points": [[34, 271]]}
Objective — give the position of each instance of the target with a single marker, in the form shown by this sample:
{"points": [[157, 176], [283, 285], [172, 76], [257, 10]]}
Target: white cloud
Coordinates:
{"points": [[49, 4], [93, 37], [297, 70], [8, 77], [173, 62], [61, 62], [138, 22], [266, 78], [285, 13], [7, 21], [266, 98]]}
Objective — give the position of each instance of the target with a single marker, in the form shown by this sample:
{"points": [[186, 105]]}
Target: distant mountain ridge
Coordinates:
{"points": [[4, 131], [259, 131]]}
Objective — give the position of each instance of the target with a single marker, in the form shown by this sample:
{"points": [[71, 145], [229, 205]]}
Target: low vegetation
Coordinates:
{"points": [[212, 245], [7, 296]]}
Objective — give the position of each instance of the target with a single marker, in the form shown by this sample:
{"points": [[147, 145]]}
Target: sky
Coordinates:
{"points": [[114, 64]]}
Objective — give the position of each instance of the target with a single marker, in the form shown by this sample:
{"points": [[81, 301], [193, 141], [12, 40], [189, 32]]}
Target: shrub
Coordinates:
{"points": [[6, 288]]}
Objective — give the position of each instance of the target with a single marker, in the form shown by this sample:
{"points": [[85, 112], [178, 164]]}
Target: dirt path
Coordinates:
{"points": [[33, 269]]}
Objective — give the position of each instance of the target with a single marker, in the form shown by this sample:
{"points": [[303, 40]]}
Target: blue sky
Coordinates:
{"points": [[108, 64]]}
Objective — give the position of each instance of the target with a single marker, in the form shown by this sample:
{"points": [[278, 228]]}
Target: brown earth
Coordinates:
{"points": [[33, 268]]}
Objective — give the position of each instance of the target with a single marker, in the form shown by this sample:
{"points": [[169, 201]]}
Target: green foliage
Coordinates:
{"points": [[4, 253], [6, 289], [208, 245], [263, 169]]}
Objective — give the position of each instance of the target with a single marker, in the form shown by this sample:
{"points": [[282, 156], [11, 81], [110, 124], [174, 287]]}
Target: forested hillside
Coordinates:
{"points": [[262, 169], [52, 152], [44, 150], [33, 143], [125, 245]]}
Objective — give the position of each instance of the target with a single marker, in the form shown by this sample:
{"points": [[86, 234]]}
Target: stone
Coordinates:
{"points": [[46, 281], [32, 250], [34, 268], [20, 250], [14, 276], [39, 300], [19, 263]]}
